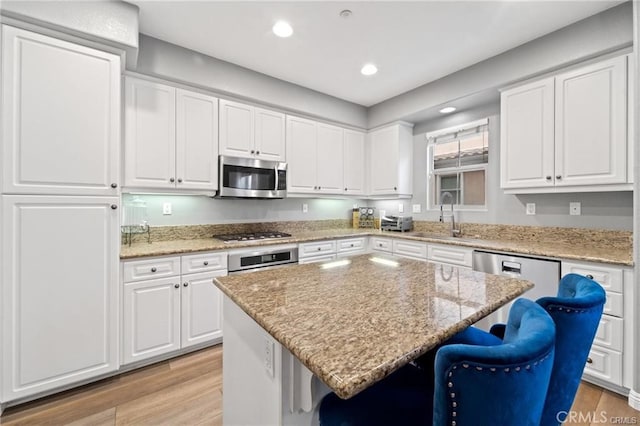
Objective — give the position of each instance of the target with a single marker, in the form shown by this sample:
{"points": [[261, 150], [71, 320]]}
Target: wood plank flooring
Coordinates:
{"points": [[188, 391]]}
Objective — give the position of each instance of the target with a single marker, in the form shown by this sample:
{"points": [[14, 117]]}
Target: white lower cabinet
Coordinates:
{"points": [[442, 253], [606, 363], [410, 249], [351, 246], [168, 313], [321, 251], [59, 291]]}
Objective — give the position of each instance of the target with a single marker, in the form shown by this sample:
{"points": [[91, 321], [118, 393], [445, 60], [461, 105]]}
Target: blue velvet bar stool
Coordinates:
{"points": [[501, 383], [576, 311]]}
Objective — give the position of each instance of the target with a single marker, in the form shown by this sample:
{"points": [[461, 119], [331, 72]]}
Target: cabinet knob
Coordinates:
{"points": [[186, 284], [114, 206], [179, 180], [589, 276], [379, 244], [395, 188], [206, 263], [319, 248], [176, 285], [589, 361], [172, 180], [558, 177], [253, 151], [351, 245], [257, 152], [153, 269], [345, 189], [319, 187], [114, 185], [548, 178]]}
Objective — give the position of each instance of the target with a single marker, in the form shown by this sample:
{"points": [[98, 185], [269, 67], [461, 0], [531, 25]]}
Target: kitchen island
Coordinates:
{"points": [[293, 334]]}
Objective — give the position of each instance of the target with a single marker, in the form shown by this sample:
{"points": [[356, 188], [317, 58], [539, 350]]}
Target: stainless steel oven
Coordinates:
{"points": [[251, 178], [260, 258]]}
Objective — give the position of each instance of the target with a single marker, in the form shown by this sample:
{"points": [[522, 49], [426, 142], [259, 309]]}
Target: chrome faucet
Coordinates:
{"points": [[455, 232]]}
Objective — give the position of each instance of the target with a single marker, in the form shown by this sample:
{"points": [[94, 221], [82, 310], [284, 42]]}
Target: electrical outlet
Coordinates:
{"points": [[269, 348], [400, 208], [531, 208], [355, 205], [575, 209], [417, 208], [305, 208], [383, 213], [166, 208]]}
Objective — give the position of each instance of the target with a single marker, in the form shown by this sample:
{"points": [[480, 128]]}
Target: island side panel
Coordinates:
{"points": [[251, 394]]}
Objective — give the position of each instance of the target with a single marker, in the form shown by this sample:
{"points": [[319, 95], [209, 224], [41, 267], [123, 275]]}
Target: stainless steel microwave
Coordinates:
{"points": [[251, 178]]}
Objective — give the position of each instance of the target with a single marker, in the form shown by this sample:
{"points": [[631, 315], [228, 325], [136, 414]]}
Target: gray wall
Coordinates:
{"points": [[605, 32], [605, 210], [194, 210], [165, 60]]}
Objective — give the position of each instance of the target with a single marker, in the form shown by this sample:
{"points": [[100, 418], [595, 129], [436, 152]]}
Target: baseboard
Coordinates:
{"points": [[634, 400]]}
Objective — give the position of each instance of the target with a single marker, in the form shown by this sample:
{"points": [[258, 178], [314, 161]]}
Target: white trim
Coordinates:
{"points": [[634, 400], [466, 126]]}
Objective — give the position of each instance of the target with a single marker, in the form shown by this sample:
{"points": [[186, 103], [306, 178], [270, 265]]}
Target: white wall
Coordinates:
{"points": [[606, 210], [195, 210], [166, 60]]}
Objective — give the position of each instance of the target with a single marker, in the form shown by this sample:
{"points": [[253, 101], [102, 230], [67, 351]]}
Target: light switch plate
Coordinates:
{"points": [[417, 208], [305, 207], [575, 208], [531, 208], [166, 208], [400, 208]]}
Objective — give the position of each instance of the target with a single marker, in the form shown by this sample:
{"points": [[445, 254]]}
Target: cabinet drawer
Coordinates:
{"points": [[610, 333], [614, 304], [381, 244], [410, 249], [449, 254], [314, 249], [605, 364], [351, 246], [138, 270], [610, 278], [204, 262], [317, 259]]}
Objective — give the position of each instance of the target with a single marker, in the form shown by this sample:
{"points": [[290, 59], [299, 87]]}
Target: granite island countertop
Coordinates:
{"points": [[576, 250], [353, 324]]}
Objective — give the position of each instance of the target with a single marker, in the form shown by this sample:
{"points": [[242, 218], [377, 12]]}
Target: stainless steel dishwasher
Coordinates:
{"points": [[543, 273]]}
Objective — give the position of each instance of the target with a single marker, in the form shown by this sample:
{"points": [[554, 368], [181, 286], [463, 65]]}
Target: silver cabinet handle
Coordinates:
{"points": [[558, 177], [114, 185], [172, 180], [179, 180], [114, 206], [186, 284], [548, 178], [176, 285], [206, 263], [153, 269]]}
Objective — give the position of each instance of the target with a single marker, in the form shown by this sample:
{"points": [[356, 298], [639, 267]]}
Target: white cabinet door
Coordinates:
{"points": [[196, 141], [60, 116], [354, 160], [151, 318], [201, 308], [59, 291], [236, 129], [301, 154], [330, 159], [591, 124], [269, 134], [526, 135], [384, 161], [150, 136]]}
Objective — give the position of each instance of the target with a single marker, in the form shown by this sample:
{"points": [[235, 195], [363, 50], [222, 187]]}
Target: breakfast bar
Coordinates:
{"points": [[293, 334]]}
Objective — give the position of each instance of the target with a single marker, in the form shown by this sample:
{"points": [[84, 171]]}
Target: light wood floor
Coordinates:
{"points": [[188, 391]]}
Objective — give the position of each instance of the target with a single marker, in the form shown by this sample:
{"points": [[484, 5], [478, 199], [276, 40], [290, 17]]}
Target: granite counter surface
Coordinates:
{"points": [[576, 250], [354, 324]]}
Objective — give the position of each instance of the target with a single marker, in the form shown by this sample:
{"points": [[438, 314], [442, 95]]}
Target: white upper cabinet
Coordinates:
{"points": [[354, 160], [391, 161], [60, 116], [567, 132], [330, 157], [251, 132], [526, 146], [171, 137], [591, 119], [315, 157]]}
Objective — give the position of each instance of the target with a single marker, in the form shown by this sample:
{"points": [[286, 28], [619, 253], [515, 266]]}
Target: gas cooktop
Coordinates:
{"points": [[251, 236]]}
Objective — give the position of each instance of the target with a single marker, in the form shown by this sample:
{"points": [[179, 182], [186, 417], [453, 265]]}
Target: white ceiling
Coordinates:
{"points": [[412, 43]]}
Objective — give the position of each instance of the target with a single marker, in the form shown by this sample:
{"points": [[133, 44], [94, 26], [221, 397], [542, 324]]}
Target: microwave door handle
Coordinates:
{"points": [[275, 169]]}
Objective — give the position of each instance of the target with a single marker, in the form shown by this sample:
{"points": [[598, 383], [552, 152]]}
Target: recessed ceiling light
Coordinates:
{"points": [[447, 110], [282, 29], [369, 69]]}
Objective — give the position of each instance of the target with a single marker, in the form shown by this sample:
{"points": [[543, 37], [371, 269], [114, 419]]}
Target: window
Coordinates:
{"points": [[457, 160]]}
